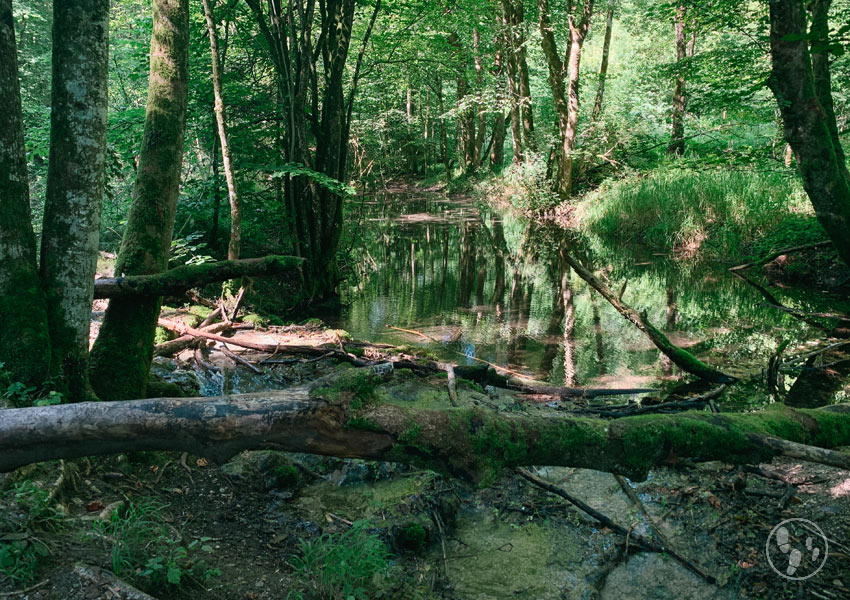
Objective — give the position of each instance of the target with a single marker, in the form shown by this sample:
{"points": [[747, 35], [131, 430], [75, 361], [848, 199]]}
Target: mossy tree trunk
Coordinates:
{"points": [[345, 418], [24, 337], [802, 89], [75, 183], [122, 354], [684, 50]]}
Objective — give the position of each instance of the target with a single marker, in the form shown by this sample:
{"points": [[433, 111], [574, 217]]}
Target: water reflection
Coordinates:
{"points": [[497, 288]]}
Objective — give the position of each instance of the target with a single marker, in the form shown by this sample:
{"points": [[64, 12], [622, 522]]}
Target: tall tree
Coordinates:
{"points": [[129, 325], [603, 67], [24, 338], [75, 183], [810, 129], [565, 91], [684, 50], [234, 247], [309, 43], [512, 73]]}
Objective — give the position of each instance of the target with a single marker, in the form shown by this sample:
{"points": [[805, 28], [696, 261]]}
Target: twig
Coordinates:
{"points": [[25, 590], [414, 332], [641, 540], [779, 253], [185, 466], [238, 359]]}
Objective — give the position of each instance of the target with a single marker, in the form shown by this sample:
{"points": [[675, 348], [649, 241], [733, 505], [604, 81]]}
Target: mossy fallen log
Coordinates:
{"points": [[176, 281], [352, 416]]}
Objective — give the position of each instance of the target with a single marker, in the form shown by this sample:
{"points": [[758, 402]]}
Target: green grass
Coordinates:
{"points": [[346, 566], [146, 549], [24, 510], [729, 215]]}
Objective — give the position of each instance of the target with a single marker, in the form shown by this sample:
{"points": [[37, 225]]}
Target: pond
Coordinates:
{"points": [[473, 284]]}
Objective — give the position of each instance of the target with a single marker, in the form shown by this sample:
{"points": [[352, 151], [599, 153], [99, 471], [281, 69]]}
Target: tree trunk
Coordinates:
{"points": [[341, 418], [684, 49], [807, 125], [75, 183], [603, 68], [480, 115], [175, 282], [24, 337], [565, 94], [234, 247], [129, 325], [525, 101], [512, 73]]}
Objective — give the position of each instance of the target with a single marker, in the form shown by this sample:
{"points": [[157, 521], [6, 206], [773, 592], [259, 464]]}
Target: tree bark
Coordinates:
{"points": [[24, 337], [684, 50], [175, 282], [341, 417], [565, 92], [525, 101], [234, 247], [603, 67], [129, 325], [512, 72], [75, 183], [807, 125]]}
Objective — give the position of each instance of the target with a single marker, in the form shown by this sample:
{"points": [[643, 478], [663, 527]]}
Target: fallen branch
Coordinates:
{"points": [[682, 358], [778, 253], [239, 360], [413, 332], [109, 582], [172, 347], [642, 541], [176, 281]]}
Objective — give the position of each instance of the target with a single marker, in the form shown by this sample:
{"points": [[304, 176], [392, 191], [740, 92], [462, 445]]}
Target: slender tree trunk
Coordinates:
{"points": [[122, 354], [24, 337], [526, 108], [444, 138], [75, 183], [513, 80], [807, 124], [603, 68], [234, 247], [480, 115], [684, 49], [213, 237], [565, 93]]}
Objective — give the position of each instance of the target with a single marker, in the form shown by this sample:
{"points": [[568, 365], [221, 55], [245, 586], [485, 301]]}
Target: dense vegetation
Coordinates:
{"points": [[226, 154]]}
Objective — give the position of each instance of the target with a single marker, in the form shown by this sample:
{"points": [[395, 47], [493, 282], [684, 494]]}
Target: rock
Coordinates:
{"points": [[651, 576]]}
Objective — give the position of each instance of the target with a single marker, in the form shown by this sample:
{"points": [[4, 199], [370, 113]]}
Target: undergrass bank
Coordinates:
{"points": [[718, 215]]}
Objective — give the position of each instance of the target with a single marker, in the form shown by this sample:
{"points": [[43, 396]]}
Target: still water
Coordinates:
{"points": [[478, 285]]}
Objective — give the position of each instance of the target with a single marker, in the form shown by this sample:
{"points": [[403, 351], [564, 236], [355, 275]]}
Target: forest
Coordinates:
{"points": [[462, 299]]}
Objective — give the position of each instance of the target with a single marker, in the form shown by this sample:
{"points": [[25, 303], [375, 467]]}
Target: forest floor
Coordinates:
{"points": [[234, 531]]}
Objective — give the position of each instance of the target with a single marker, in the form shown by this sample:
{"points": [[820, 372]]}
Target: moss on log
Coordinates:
{"points": [[353, 416], [176, 281]]}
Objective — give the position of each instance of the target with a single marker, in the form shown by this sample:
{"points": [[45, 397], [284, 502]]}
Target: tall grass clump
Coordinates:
{"points": [[717, 214]]}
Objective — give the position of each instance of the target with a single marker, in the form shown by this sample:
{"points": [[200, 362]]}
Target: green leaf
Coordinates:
{"points": [[173, 575]]}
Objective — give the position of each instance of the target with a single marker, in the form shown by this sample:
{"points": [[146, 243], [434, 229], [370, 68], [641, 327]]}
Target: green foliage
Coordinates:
{"points": [[147, 549], [347, 566], [719, 213], [329, 183], [412, 536], [287, 476], [25, 509], [189, 250], [19, 394]]}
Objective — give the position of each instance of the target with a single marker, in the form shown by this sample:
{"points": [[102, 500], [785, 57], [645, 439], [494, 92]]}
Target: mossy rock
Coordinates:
{"points": [[411, 536], [162, 335]]}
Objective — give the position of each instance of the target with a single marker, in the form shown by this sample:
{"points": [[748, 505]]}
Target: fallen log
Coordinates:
{"points": [[175, 282], [681, 358], [348, 416], [172, 347]]}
